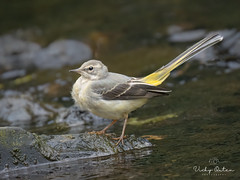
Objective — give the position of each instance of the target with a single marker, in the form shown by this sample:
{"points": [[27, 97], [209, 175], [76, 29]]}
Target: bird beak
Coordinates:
{"points": [[76, 70]]}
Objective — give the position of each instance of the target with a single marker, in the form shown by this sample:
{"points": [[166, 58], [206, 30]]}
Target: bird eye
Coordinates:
{"points": [[90, 68]]}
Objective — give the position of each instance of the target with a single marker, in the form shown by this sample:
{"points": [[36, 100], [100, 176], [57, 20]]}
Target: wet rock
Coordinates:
{"points": [[22, 111], [230, 37], [80, 120], [17, 149], [187, 36], [21, 148], [233, 65], [11, 45], [10, 93], [207, 55], [62, 52], [231, 42], [11, 51], [16, 53], [234, 50], [13, 74], [17, 109], [174, 29], [87, 145]]}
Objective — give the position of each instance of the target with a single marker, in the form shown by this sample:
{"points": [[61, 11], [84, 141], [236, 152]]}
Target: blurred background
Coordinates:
{"points": [[40, 41]]}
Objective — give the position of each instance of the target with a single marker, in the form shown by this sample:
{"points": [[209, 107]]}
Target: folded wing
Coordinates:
{"points": [[133, 90]]}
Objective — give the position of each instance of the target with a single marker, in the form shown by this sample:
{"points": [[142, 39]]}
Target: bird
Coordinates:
{"points": [[113, 95]]}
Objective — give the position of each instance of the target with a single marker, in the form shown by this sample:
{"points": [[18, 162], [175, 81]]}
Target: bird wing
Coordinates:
{"points": [[133, 89]]}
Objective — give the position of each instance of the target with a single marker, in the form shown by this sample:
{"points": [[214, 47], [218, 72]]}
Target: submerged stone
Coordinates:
{"points": [[13, 74], [187, 36], [19, 148], [21, 110]]}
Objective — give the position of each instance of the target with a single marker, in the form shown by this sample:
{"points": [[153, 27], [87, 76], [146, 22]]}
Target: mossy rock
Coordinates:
{"points": [[20, 148]]}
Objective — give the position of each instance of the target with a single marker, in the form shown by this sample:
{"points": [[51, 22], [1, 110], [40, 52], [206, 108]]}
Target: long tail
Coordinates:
{"points": [[157, 77]]}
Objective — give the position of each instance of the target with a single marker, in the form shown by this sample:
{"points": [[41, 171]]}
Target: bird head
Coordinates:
{"points": [[92, 70]]}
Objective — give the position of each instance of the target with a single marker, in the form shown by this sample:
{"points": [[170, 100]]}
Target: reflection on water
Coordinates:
{"points": [[80, 168]]}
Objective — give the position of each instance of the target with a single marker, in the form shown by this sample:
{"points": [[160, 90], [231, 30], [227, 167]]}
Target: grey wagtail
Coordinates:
{"points": [[114, 96]]}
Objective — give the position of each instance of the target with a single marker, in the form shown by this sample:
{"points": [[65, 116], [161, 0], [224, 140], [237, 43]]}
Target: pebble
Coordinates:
{"points": [[173, 29], [22, 110], [13, 74], [187, 36]]}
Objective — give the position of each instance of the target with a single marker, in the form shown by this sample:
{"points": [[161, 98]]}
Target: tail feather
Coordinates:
{"points": [[157, 77]]}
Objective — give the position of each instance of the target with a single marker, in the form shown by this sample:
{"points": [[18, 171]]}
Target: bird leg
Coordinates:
{"points": [[104, 130], [120, 139]]}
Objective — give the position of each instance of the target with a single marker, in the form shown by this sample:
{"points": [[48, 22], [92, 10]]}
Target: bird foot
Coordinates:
{"points": [[120, 139]]}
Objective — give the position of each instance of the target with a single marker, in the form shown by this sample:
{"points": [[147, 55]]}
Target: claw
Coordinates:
{"points": [[120, 139], [123, 131], [103, 132]]}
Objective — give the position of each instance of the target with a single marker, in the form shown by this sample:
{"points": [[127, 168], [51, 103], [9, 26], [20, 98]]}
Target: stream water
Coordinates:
{"points": [[195, 130]]}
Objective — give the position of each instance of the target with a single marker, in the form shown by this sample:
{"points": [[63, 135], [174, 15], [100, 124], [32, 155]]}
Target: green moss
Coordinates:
{"points": [[11, 138], [135, 121], [47, 151]]}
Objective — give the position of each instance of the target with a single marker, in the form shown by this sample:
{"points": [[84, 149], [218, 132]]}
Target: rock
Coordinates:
{"points": [[228, 66], [86, 145], [206, 55], [221, 64], [22, 111], [11, 50], [234, 50], [187, 36], [230, 37], [226, 33], [62, 52], [13, 74], [174, 29], [17, 109], [79, 120], [231, 42], [16, 53], [233, 65], [9, 93], [10, 45], [20, 148]]}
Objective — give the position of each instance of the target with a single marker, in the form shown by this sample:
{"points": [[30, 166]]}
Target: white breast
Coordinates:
{"points": [[110, 109], [116, 109], [79, 93]]}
